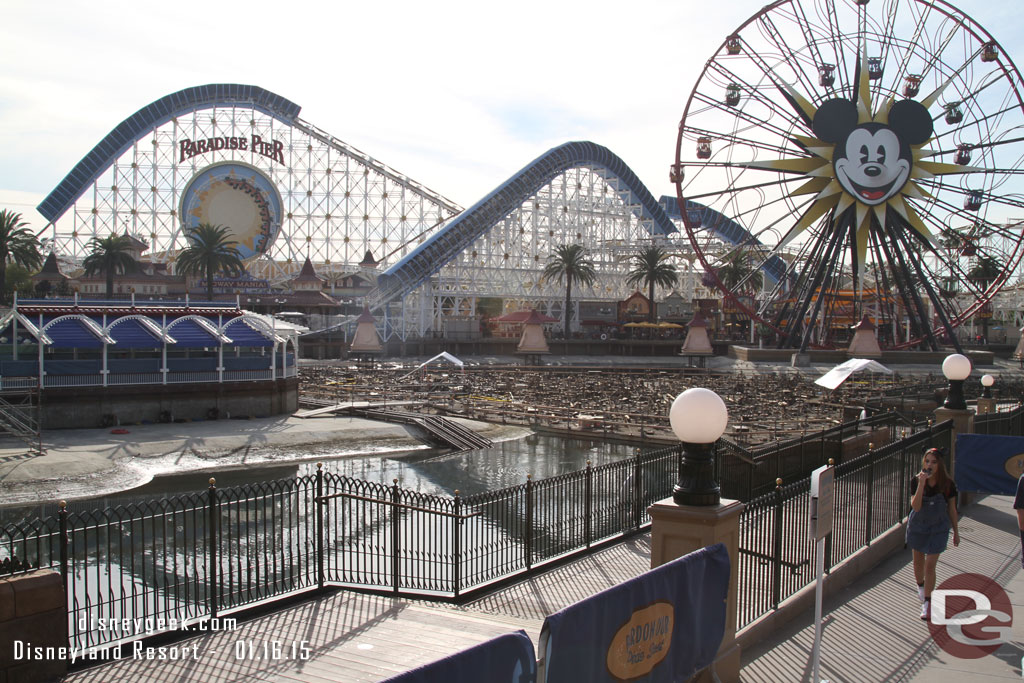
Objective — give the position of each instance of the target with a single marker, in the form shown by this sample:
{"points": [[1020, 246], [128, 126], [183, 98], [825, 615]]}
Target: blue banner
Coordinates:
{"points": [[506, 659], [989, 464], [665, 625]]}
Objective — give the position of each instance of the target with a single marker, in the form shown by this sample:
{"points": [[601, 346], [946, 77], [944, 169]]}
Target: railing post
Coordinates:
{"points": [[777, 548], [457, 546], [905, 464], [64, 541], [588, 493], [320, 526], [750, 480], [395, 564], [528, 541], [638, 492], [870, 494], [212, 548], [841, 453]]}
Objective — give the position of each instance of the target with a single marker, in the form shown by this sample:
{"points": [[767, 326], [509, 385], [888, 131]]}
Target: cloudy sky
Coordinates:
{"points": [[457, 95]]}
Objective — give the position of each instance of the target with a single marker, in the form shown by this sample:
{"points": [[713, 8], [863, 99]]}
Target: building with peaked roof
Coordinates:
{"points": [[366, 341], [865, 341], [50, 279], [697, 342], [533, 342], [307, 280]]}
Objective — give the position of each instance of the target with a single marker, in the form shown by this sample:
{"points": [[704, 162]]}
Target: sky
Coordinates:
{"points": [[456, 95]]}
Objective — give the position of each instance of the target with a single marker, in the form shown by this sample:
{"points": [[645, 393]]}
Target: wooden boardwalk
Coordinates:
{"points": [[355, 637], [349, 406]]}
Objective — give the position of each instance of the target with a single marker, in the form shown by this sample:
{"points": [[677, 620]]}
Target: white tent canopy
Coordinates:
{"points": [[840, 373], [444, 355]]}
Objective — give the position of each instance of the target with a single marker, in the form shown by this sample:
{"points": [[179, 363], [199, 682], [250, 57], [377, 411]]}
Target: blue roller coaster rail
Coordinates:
{"points": [[145, 120], [726, 228], [442, 247], [428, 258]]}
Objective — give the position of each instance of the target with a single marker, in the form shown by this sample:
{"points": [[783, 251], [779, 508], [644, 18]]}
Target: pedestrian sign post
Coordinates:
{"points": [[822, 505]]}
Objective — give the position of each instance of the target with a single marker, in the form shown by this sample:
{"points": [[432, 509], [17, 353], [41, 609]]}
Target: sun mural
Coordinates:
{"points": [[236, 196], [866, 158]]}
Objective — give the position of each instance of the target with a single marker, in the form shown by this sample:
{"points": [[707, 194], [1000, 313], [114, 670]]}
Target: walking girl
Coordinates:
{"points": [[933, 513]]}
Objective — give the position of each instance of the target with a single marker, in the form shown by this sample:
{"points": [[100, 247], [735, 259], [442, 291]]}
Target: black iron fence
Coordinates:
{"points": [[871, 495], [1008, 420], [140, 567], [144, 567], [748, 473]]}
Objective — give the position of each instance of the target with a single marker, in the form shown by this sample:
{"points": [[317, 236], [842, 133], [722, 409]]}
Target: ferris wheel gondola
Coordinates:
{"points": [[875, 150]]}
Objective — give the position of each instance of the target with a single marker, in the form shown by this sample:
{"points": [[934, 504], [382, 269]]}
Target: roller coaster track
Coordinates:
{"points": [[441, 248], [727, 229], [142, 122]]}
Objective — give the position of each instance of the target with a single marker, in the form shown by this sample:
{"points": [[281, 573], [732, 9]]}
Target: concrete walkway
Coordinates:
{"points": [[873, 631]]}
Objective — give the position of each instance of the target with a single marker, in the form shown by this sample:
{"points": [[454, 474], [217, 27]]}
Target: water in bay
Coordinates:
{"points": [[148, 551], [505, 464]]}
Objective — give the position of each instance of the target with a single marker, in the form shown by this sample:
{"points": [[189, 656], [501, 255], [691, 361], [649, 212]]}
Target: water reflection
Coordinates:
{"points": [[163, 550], [425, 471]]}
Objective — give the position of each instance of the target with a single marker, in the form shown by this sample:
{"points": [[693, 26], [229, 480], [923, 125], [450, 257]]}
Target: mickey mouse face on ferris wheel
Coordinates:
{"points": [[872, 161]]}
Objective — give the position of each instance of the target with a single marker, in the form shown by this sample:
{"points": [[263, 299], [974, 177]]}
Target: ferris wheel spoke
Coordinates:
{"points": [[884, 285], [822, 285], [909, 47], [987, 146], [929, 290], [754, 210], [696, 134], [743, 188], [753, 93], [770, 31], [846, 83], [739, 114], [911, 298], [981, 195], [810, 40]]}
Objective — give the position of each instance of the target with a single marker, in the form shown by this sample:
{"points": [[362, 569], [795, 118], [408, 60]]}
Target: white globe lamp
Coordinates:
{"points": [[987, 381], [956, 367], [698, 417]]}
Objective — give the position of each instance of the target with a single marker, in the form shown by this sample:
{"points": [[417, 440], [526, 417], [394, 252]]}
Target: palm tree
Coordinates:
{"points": [[651, 267], [110, 255], [209, 253], [986, 270], [570, 261], [737, 274], [17, 245]]}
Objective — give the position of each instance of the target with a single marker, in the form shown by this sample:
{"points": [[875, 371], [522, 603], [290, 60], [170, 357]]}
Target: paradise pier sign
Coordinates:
{"points": [[272, 149]]}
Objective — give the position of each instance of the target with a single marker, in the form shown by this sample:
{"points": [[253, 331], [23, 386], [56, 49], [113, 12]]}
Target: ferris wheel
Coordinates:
{"points": [[872, 151]]}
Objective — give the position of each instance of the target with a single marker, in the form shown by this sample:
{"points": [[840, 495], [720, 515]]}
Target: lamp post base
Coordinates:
{"points": [[955, 397], [697, 485], [683, 495], [677, 530]]}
